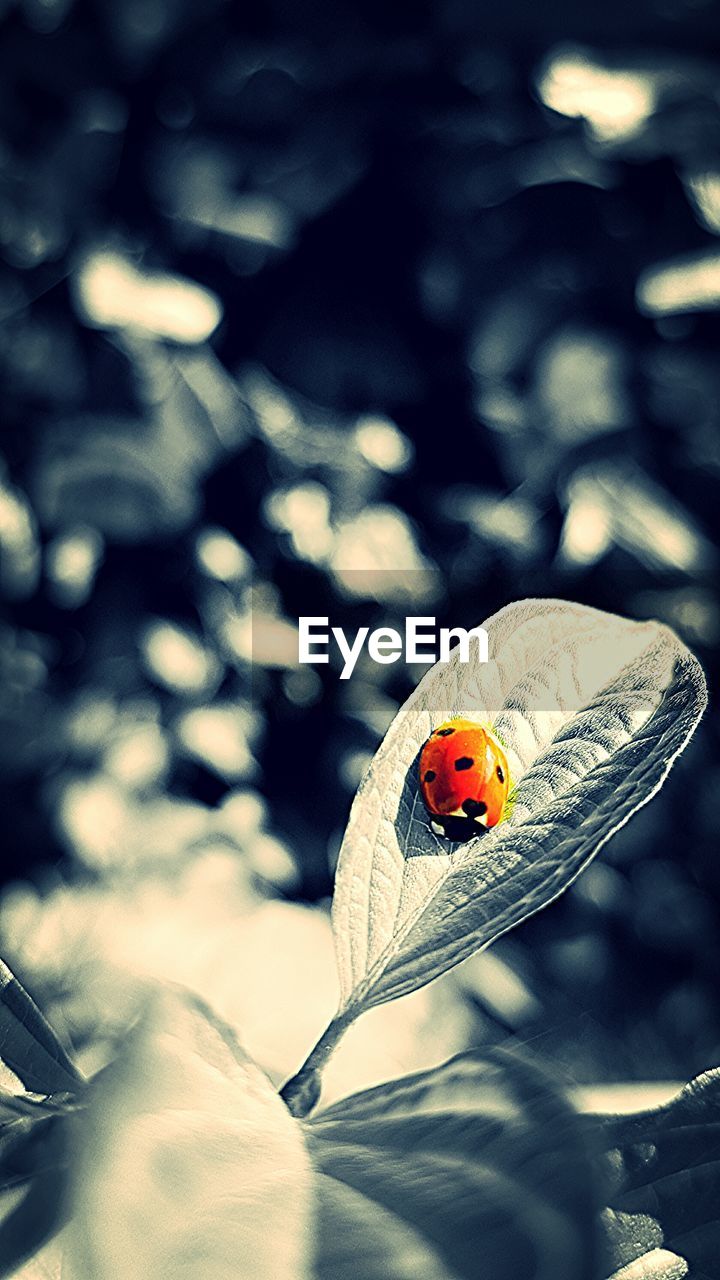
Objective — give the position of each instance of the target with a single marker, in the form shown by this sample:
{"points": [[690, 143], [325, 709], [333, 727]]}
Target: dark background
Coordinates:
{"points": [[397, 226]]}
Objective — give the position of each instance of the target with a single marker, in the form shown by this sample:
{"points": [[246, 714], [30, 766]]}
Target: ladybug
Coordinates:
{"points": [[464, 779]]}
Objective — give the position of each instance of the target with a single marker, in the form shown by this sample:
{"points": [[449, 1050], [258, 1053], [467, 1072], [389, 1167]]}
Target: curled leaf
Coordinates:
{"points": [[663, 1220], [658, 1264], [591, 709]]}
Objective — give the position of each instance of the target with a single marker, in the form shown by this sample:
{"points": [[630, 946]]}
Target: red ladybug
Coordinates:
{"points": [[464, 778]]}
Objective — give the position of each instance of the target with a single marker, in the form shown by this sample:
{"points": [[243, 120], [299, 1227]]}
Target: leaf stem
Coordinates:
{"points": [[301, 1092]]}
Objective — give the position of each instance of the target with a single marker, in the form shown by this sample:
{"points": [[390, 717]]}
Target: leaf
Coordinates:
{"points": [[666, 1172], [592, 710], [29, 1047], [656, 1265], [189, 1164], [38, 1083], [475, 1168], [34, 1156]]}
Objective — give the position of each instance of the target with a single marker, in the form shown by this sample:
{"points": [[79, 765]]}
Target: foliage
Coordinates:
{"points": [[429, 289], [180, 1157]]}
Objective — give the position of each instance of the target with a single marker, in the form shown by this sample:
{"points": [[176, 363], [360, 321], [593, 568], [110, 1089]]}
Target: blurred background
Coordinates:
{"points": [[425, 287]]}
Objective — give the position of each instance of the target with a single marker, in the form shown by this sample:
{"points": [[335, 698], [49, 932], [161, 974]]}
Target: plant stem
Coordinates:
{"points": [[302, 1090]]}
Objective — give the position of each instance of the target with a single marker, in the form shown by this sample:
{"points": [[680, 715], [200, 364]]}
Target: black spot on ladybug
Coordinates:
{"points": [[500, 774], [474, 808], [443, 733], [464, 762], [430, 775]]}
